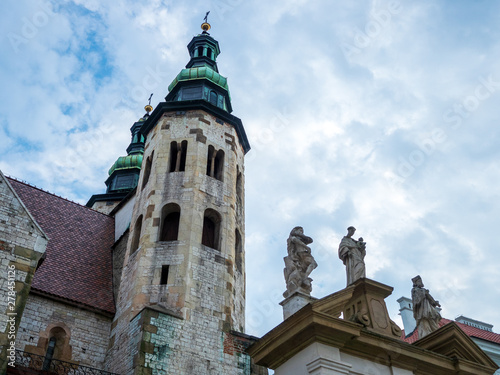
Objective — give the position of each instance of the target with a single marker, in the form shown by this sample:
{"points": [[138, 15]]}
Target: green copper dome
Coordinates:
{"points": [[126, 162], [200, 73]]}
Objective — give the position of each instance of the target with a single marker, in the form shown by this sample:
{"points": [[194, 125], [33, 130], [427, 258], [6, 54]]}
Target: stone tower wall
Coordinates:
{"points": [[204, 296]]}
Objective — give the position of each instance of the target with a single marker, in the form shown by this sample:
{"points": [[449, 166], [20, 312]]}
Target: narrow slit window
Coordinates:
{"points": [[219, 165], [178, 156], [147, 169], [215, 163], [239, 187], [164, 275], [238, 251], [137, 235]]}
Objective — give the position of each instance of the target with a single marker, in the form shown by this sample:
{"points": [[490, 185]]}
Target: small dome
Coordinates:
{"points": [[126, 162], [202, 72]]}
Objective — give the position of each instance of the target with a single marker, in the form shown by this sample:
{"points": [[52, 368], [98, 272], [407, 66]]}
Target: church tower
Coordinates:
{"points": [[181, 302], [123, 174]]}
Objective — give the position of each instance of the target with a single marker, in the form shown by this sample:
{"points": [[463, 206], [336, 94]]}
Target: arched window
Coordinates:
{"points": [[147, 169], [211, 229], [178, 156], [213, 97], [137, 235], [215, 163], [170, 217], [238, 251]]}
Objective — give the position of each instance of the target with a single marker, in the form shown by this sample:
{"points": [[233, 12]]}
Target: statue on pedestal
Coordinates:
{"points": [[299, 263], [425, 309], [352, 252]]}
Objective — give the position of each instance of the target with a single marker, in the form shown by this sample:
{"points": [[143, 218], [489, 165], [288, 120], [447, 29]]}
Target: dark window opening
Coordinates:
{"points": [[147, 169], [123, 182], [200, 51], [219, 163], [208, 233], [213, 97], [170, 229], [49, 355], [164, 275], [209, 53], [190, 93], [238, 251], [137, 235], [170, 218], [56, 347], [178, 156], [211, 228], [215, 163]]}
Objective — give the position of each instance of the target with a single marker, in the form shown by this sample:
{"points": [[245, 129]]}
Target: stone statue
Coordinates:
{"points": [[299, 263], [425, 309], [352, 252]]}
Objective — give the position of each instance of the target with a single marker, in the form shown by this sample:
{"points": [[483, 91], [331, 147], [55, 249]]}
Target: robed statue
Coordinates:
{"points": [[352, 252], [425, 308], [299, 263]]}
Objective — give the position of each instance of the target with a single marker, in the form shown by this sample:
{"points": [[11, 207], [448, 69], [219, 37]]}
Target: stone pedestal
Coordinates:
{"points": [[367, 306], [294, 302]]}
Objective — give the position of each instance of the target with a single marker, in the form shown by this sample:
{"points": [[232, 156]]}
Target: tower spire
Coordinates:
{"points": [[184, 267], [205, 26]]}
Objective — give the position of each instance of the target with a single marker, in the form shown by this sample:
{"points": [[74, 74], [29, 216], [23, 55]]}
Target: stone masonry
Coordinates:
{"points": [[22, 245], [204, 297], [87, 331]]}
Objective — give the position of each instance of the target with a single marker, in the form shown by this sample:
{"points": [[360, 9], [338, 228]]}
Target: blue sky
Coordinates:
{"points": [[382, 115]]}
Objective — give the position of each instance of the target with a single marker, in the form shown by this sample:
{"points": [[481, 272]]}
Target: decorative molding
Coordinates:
{"points": [[325, 366]]}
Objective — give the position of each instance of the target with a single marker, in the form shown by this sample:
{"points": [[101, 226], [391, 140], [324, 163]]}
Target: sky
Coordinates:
{"points": [[378, 114]]}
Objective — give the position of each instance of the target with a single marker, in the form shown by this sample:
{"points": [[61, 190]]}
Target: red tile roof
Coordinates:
{"points": [[469, 331], [78, 264]]}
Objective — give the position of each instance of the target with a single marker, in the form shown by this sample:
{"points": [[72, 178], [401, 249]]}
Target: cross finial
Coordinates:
{"points": [[205, 26], [149, 108]]}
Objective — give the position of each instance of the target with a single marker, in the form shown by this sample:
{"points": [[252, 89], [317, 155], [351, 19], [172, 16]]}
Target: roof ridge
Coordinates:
{"points": [[53, 194], [475, 328], [470, 331]]}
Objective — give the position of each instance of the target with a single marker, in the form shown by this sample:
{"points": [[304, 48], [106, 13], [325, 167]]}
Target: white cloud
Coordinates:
{"points": [[330, 132]]}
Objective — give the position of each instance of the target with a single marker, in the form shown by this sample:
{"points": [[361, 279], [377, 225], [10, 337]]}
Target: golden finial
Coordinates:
{"points": [[205, 26], [149, 108]]}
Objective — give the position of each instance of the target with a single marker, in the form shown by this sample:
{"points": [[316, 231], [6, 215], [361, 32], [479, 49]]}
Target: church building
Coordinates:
{"points": [[149, 277]]}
